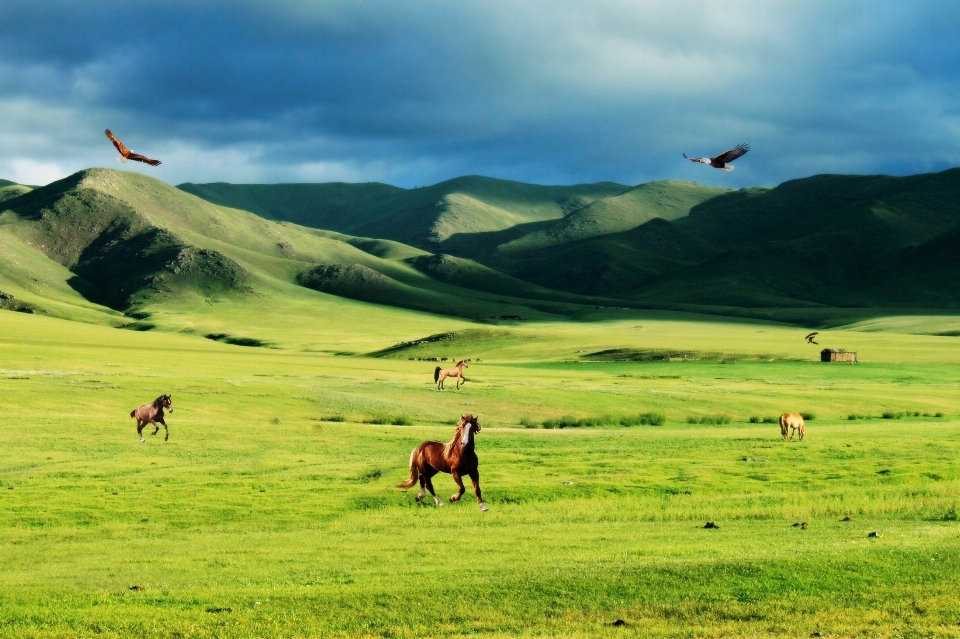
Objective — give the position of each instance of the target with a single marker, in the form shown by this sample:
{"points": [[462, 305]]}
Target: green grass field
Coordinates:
{"points": [[261, 517]]}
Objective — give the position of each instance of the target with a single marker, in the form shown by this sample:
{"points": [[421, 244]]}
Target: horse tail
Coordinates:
{"points": [[414, 472], [436, 375], [133, 413]]}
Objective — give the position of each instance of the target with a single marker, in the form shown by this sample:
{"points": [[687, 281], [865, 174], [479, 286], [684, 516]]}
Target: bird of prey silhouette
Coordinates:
{"points": [[720, 161], [810, 337], [127, 154]]}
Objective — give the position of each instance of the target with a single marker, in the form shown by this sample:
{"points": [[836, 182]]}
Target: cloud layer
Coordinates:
{"points": [[415, 92]]}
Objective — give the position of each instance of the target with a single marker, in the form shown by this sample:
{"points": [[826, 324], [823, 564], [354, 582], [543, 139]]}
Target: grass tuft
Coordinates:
{"points": [[644, 419], [718, 419], [384, 419]]}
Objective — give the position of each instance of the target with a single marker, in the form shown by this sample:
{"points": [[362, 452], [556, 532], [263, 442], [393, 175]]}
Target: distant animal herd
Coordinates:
{"points": [[457, 457]]}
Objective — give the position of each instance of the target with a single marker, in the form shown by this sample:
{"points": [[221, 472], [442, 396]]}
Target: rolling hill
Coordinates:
{"points": [[107, 246], [668, 200], [826, 240], [814, 241], [425, 217], [336, 206], [10, 190], [114, 242]]}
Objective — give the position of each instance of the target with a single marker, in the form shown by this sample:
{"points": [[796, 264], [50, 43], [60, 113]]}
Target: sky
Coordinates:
{"points": [[413, 92]]}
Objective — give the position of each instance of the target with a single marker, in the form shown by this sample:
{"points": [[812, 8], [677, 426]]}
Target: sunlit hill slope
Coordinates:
{"points": [[111, 246]]}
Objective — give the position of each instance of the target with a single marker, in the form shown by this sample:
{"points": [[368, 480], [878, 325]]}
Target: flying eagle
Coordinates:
{"points": [[810, 337], [127, 154], [720, 161]]}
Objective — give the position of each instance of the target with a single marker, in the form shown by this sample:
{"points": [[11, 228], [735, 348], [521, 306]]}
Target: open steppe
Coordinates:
{"points": [[261, 517], [630, 350]]}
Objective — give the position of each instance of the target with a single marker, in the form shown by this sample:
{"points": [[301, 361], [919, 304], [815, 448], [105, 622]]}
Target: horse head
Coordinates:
{"points": [[469, 425], [164, 401], [463, 362]]}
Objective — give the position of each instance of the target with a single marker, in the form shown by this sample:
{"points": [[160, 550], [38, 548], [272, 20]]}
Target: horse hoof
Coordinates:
{"points": [[483, 507], [439, 504]]}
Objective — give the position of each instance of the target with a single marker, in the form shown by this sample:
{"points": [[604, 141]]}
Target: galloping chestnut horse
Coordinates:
{"points": [[456, 457], [441, 374], [153, 414], [792, 422]]}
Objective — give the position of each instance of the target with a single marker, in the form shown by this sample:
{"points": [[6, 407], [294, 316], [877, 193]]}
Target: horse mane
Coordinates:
{"points": [[158, 402], [458, 435]]}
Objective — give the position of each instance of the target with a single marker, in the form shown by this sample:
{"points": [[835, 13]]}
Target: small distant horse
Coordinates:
{"points": [[456, 457], [441, 374], [153, 414], [792, 422]]}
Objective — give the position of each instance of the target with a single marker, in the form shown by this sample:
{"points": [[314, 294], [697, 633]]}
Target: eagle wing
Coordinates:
{"points": [[732, 154], [140, 158], [124, 151]]}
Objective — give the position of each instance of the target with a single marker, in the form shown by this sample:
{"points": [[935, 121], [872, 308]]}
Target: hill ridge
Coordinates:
{"points": [[480, 246]]}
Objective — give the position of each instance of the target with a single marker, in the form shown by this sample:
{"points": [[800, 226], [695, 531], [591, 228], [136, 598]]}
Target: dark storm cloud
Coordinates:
{"points": [[415, 92]]}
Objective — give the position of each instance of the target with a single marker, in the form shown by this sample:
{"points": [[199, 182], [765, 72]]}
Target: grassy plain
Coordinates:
{"points": [[263, 518]]}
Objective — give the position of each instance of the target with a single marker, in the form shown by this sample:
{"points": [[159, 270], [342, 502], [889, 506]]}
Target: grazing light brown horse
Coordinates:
{"points": [[441, 374], [153, 414], [456, 457], [792, 422]]}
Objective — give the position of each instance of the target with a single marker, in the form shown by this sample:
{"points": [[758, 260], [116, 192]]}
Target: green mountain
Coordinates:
{"points": [[335, 206], [805, 240], [668, 200], [111, 246], [10, 190], [809, 242], [426, 217], [613, 265], [106, 239], [927, 275]]}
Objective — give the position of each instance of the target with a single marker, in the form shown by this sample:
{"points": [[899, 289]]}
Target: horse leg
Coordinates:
{"points": [[140, 425], [440, 383], [423, 487], [456, 478], [475, 477], [166, 430], [432, 491]]}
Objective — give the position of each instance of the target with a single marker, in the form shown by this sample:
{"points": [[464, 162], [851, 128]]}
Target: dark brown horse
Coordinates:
{"points": [[441, 374], [456, 457], [153, 414]]}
